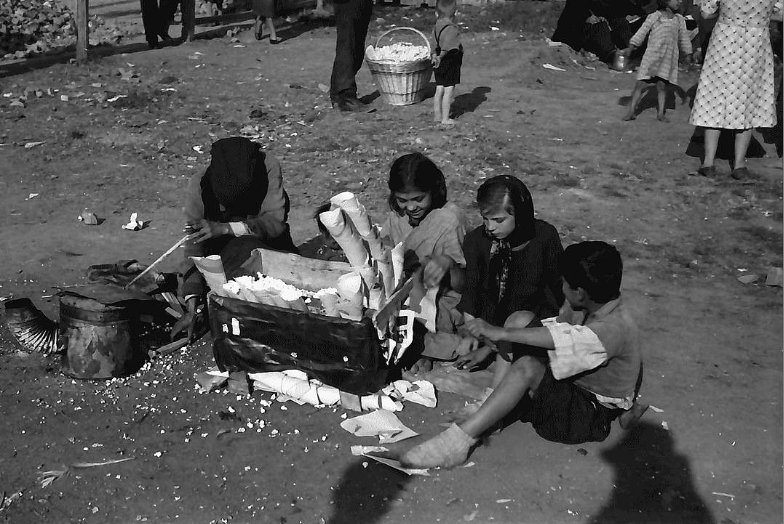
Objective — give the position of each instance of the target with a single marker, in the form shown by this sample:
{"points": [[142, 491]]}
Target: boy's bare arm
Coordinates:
{"points": [[539, 336]]}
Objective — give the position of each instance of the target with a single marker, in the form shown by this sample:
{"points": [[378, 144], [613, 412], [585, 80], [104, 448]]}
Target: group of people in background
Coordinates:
{"points": [[737, 90]]}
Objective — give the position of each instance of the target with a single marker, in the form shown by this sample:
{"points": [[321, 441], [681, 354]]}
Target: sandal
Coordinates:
{"points": [[707, 171], [274, 41], [740, 174]]}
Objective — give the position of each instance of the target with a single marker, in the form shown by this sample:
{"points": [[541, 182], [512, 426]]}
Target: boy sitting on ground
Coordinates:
{"points": [[587, 373]]}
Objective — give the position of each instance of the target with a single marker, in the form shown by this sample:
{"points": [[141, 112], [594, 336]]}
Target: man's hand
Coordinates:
{"points": [[479, 328], [436, 60], [593, 19], [208, 229], [187, 322], [435, 269], [474, 358]]}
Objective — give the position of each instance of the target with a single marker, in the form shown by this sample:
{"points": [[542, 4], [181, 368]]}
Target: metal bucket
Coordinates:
{"points": [[95, 339], [621, 60]]}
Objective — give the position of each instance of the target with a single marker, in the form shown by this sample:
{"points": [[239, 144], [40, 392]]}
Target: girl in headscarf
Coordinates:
{"points": [[511, 267]]}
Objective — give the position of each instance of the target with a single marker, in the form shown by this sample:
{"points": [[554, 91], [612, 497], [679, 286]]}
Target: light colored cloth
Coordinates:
{"points": [[736, 89], [665, 36], [602, 350]]}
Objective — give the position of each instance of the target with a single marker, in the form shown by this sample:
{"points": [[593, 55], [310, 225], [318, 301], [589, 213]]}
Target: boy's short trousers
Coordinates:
{"points": [[448, 72], [563, 412]]}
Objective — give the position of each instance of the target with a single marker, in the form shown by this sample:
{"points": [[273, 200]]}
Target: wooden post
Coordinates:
{"points": [[188, 11], [82, 30]]}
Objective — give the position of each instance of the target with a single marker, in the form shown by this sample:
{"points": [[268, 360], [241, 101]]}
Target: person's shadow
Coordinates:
{"points": [[649, 98], [653, 482], [468, 102], [365, 493]]}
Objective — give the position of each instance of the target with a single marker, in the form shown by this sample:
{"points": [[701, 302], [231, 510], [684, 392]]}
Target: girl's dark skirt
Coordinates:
{"points": [[265, 8], [448, 72]]}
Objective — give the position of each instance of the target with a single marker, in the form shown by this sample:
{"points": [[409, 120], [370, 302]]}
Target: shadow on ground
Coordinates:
{"points": [[653, 482], [469, 102], [366, 492]]}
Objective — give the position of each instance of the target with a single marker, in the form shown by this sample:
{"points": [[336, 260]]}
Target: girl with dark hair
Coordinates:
{"points": [[432, 231], [512, 270]]}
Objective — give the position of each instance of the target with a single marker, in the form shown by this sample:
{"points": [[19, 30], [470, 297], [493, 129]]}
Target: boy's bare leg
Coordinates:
{"points": [[524, 376], [452, 446], [437, 99], [661, 100], [518, 319], [271, 28], [446, 105], [636, 95]]}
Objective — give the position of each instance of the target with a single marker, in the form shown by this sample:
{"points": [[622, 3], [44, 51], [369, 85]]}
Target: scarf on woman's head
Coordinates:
{"points": [[236, 180]]}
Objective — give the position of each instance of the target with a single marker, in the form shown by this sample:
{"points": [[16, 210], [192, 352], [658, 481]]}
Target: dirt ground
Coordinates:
{"points": [[123, 134]]}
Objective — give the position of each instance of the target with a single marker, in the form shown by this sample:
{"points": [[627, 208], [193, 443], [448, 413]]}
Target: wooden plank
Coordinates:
{"points": [[301, 272], [82, 30]]}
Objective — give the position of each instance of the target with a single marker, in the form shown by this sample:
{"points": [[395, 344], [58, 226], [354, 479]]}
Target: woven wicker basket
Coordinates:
{"points": [[401, 83]]}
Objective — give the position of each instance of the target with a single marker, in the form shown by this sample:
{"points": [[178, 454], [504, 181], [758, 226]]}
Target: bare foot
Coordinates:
{"points": [[628, 116], [662, 118]]}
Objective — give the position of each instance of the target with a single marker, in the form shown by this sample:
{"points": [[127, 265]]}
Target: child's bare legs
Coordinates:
{"points": [[452, 446], [273, 36], [636, 95], [661, 100], [742, 140], [446, 105], [523, 376], [437, 100], [518, 319]]}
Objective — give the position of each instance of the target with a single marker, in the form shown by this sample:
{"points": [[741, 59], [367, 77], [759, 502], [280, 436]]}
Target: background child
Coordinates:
{"points": [[659, 64], [586, 376], [512, 270], [432, 231], [447, 59]]}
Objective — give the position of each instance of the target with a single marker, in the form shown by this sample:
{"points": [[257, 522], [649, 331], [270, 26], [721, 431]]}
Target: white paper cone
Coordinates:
{"points": [[301, 390], [350, 296], [345, 235], [329, 301], [212, 269], [398, 257]]}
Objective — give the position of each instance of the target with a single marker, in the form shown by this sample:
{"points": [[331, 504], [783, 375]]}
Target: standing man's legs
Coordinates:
{"points": [[351, 21], [151, 19]]}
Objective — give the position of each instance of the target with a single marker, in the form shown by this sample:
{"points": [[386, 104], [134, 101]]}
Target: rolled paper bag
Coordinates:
{"points": [[356, 212], [345, 235], [387, 277], [293, 298], [398, 255], [329, 301], [351, 296], [211, 267], [369, 275], [301, 391], [375, 245], [375, 297]]}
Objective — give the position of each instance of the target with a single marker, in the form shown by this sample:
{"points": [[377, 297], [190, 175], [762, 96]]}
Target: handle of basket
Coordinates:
{"points": [[417, 31]]}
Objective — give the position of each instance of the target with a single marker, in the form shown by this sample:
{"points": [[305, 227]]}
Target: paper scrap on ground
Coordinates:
{"points": [[358, 451], [380, 423], [552, 67], [134, 224], [395, 464], [211, 379], [420, 392]]}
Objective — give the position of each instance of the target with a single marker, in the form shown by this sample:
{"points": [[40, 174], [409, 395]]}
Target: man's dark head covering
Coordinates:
{"points": [[235, 179]]}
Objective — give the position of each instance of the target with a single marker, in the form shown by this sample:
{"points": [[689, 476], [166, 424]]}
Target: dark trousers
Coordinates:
{"points": [[156, 19], [604, 38], [351, 21]]}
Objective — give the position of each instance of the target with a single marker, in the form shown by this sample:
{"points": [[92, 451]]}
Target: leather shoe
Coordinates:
{"points": [[347, 104]]}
